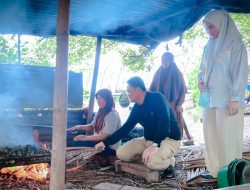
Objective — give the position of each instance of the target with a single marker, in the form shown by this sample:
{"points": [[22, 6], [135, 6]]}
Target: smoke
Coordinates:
{"points": [[98, 17], [13, 135], [91, 17], [28, 17], [20, 88], [25, 92]]}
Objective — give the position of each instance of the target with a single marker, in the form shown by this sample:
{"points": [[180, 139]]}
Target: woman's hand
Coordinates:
{"points": [[81, 138], [74, 129], [201, 86], [233, 108]]}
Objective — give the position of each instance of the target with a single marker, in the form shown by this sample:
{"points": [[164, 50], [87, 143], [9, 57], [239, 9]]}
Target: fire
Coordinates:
{"points": [[38, 172]]}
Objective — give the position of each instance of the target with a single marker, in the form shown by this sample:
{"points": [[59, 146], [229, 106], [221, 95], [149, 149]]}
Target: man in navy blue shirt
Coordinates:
{"points": [[161, 140]]}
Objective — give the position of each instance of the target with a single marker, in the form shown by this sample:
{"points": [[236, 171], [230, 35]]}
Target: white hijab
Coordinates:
{"points": [[215, 46]]}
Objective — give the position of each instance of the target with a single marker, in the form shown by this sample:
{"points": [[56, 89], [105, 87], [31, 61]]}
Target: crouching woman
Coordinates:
{"points": [[104, 124]]}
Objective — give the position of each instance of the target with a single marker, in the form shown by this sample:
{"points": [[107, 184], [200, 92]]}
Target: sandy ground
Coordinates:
{"points": [[196, 130]]}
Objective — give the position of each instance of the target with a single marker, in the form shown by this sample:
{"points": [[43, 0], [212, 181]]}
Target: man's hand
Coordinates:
{"points": [[201, 86], [81, 138], [148, 153], [233, 108], [99, 146], [178, 108]]}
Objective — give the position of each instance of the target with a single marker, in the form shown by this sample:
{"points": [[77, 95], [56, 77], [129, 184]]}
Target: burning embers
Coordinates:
{"points": [[22, 162], [38, 172]]}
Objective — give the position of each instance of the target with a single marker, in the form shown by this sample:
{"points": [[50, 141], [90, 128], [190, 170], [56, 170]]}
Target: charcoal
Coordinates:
{"points": [[10, 153], [6, 150], [13, 154], [9, 162], [19, 153], [22, 151], [22, 155]]}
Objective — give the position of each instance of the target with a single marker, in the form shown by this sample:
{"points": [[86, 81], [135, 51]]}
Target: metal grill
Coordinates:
{"points": [[19, 161]]}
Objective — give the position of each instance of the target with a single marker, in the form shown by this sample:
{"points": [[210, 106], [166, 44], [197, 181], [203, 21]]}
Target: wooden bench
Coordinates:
{"points": [[138, 169]]}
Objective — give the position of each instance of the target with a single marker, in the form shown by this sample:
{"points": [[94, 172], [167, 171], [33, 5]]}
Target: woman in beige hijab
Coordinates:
{"points": [[223, 78]]}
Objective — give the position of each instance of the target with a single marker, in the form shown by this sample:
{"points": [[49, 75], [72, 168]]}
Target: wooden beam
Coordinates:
{"points": [[60, 101], [94, 80]]}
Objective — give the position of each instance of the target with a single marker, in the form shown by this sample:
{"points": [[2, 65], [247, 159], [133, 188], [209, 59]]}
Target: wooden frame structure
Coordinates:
{"points": [[57, 179]]}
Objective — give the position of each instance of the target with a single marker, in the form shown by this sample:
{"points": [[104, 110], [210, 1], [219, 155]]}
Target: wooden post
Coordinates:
{"points": [[19, 48], [94, 80], [187, 131], [60, 101]]}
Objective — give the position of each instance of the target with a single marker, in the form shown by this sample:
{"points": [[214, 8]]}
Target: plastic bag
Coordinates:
{"points": [[204, 99]]}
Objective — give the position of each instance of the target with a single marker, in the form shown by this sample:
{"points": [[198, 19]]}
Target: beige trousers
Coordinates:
{"points": [[223, 136], [133, 150]]}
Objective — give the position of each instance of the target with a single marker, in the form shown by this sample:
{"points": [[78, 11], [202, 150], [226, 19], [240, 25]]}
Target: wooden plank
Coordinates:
{"points": [[137, 166], [133, 171], [57, 178], [138, 169]]}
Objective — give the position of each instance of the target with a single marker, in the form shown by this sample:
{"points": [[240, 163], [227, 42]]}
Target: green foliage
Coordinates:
{"points": [[8, 50], [242, 21], [81, 49], [138, 59], [192, 81], [42, 52], [197, 31]]}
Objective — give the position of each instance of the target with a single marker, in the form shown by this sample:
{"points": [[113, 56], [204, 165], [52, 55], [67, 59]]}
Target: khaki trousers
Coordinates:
{"points": [[223, 136], [132, 151]]}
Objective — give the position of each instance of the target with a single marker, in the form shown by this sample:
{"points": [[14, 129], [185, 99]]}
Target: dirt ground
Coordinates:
{"points": [[196, 130], [90, 175]]}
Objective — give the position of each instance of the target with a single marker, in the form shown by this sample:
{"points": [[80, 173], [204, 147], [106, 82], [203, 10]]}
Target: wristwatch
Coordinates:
{"points": [[155, 144]]}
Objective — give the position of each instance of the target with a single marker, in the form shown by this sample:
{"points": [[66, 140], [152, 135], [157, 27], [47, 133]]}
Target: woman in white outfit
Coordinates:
{"points": [[223, 78]]}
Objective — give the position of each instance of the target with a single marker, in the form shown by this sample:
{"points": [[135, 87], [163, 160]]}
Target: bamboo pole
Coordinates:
{"points": [[60, 101], [94, 80]]}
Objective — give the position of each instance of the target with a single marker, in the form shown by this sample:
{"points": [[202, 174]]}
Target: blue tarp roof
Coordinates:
{"points": [[145, 22]]}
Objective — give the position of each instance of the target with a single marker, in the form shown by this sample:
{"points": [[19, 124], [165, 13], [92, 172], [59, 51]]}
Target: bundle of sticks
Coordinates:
{"points": [[80, 154]]}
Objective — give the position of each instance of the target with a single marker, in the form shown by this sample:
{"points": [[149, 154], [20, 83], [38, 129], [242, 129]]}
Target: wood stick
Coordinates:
{"points": [[186, 130], [60, 100], [194, 166]]}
